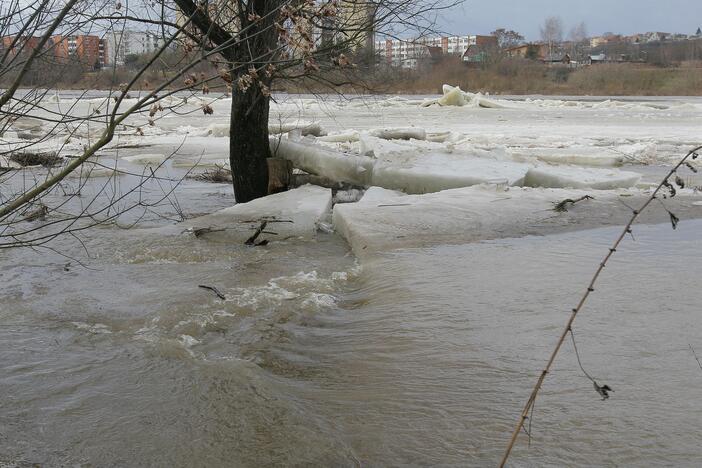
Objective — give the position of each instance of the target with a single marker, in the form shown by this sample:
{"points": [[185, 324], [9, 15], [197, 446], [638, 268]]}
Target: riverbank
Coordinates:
{"points": [[523, 77], [507, 77]]}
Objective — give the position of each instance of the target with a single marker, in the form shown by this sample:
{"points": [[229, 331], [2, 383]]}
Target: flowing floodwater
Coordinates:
{"points": [[419, 357]]}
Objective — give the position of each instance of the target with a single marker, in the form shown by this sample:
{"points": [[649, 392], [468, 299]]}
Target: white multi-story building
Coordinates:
{"points": [[122, 43], [409, 53]]}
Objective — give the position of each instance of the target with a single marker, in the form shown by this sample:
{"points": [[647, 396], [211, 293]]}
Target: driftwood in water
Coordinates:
{"points": [[213, 289], [562, 206], [252, 240]]}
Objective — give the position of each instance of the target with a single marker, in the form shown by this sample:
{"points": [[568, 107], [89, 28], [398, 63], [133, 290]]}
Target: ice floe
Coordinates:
{"points": [[578, 155], [384, 220], [417, 170], [149, 159], [295, 213], [433, 172], [400, 133], [579, 177], [454, 96], [325, 162]]}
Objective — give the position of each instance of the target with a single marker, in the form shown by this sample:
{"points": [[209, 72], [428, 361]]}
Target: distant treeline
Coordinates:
{"points": [[520, 76]]}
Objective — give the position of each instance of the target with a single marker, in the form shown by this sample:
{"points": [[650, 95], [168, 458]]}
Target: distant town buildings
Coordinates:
{"points": [[87, 50], [528, 51], [352, 28], [91, 51], [642, 38], [408, 54], [124, 42]]}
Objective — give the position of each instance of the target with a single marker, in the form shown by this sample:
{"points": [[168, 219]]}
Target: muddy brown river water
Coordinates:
{"points": [[421, 357]]}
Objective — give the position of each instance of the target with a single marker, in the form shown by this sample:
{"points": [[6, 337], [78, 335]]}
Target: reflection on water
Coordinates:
{"points": [[422, 357]]}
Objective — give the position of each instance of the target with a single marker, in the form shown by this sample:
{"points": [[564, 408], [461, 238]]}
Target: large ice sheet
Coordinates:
{"points": [[376, 147], [579, 155], [293, 213], [341, 137], [400, 133], [409, 170], [387, 221], [305, 128], [148, 159], [433, 172], [379, 195], [324, 162], [580, 177]]}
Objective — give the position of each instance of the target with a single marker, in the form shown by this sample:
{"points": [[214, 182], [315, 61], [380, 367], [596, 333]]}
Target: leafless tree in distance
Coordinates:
{"points": [[552, 32]]}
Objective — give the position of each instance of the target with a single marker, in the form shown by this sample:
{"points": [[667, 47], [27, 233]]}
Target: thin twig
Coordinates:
{"points": [[252, 240], [696, 358], [213, 289]]}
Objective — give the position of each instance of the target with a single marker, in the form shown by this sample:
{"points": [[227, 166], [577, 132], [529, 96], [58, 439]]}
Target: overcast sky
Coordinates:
{"points": [[618, 16]]}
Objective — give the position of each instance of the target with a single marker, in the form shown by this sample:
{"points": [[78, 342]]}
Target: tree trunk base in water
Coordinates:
{"points": [[279, 175]]}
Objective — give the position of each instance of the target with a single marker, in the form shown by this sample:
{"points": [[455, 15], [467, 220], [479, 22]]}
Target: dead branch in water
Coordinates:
{"points": [[562, 206], [665, 183], [218, 175], [252, 240], [213, 289]]}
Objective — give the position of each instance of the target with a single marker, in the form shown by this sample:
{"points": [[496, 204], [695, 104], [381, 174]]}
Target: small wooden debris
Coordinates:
{"points": [[252, 240], [218, 175], [562, 207], [213, 289], [198, 232]]}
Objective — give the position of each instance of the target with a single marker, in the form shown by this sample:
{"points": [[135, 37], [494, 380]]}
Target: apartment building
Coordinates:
{"points": [[91, 51], [124, 42], [410, 53], [25, 43]]}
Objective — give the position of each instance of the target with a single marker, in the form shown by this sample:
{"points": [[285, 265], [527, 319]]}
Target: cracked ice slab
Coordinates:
{"points": [[324, 162], [434, 172], [414, 172], [384, 220], [147, 159], [580, 178], [581, 156], [299, 212]]}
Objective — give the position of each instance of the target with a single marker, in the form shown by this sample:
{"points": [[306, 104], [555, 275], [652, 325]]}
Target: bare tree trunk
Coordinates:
{"points": [[248, 144]]}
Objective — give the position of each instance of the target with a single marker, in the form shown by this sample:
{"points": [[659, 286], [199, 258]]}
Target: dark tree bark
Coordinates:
{"points": [[248, 135], [248, 144]]}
